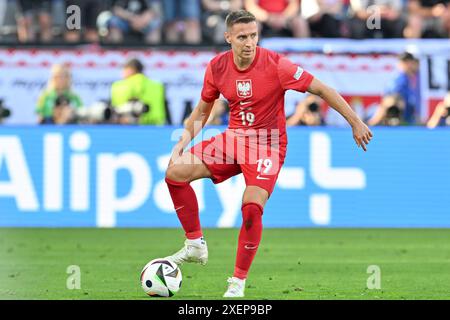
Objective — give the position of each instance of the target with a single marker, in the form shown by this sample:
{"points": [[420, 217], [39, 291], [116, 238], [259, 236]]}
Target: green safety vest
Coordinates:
{"points": [[147, 91]]}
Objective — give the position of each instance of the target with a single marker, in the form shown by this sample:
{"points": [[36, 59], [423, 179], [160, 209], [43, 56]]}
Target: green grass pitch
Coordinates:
{"points": [[290, 264]]}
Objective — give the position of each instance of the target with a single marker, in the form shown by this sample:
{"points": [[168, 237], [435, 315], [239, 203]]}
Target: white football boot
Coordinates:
{"points": [[236, 288], [193, 251]]}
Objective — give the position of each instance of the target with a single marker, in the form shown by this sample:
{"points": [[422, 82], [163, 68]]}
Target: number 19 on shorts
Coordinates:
{"points": [[266, 163]]}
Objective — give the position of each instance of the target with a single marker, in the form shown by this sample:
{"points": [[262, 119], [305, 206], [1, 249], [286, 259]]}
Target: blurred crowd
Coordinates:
{"points": [[137, 99], [203, 21]]}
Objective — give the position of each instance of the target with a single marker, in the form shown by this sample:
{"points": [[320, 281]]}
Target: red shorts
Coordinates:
{"points": [[258, 157]]}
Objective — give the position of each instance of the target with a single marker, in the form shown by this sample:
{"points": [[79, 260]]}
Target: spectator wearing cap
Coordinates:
{"points": [[56, 101], [403, 93], [135, 86], [279, 17]]}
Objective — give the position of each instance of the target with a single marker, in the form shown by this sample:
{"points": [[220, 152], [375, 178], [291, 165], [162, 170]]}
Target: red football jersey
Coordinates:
{"points": [[256, 94]]}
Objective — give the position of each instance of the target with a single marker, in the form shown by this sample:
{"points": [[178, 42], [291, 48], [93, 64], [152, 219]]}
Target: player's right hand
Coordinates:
{"points": [[362, 134]]}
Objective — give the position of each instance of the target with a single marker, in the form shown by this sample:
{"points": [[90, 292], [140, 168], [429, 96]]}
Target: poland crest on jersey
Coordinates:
{"points": [[244, 88]]}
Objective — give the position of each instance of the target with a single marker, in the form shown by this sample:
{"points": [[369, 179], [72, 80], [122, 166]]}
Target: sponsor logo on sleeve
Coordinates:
{"points": [[298, 73]]}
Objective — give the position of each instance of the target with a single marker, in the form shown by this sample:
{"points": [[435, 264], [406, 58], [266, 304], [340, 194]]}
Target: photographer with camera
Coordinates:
{"points": [[307, 113], [137, 99], [441, 115], [405, 91], [4, 112], [390, 112], [55, 104]]}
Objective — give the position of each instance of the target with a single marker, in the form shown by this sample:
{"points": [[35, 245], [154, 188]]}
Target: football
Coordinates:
{"points": [[161, 278]]}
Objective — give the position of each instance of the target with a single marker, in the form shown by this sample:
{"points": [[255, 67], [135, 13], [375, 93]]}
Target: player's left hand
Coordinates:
{"points": [[362, 134]]}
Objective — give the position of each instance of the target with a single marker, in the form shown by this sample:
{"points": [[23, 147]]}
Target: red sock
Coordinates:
{"points": [[186, 206], [249, 238]]}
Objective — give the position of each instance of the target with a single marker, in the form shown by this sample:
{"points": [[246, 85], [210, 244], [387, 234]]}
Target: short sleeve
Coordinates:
{"points": [[209, 91], [292, 76]]}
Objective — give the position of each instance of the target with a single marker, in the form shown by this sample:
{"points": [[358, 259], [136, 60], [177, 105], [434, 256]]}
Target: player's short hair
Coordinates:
{"points": [[134, 64], [240, 16]]}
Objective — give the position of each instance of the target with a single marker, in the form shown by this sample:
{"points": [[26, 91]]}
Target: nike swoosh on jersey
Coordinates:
{"points": [[176, 209], [243, 103], [261, 178], [250, 247]]}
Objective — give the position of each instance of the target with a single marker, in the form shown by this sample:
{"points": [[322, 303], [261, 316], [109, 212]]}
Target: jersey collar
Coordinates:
{"points": [[250, 67]]}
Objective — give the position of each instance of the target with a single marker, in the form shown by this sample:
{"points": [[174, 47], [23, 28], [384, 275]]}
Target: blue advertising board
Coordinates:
{"points": [[110, 176]]}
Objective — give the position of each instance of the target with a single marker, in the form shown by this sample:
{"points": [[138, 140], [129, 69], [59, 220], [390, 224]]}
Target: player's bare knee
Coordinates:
{"points": [[254, 194], [177, 173]]}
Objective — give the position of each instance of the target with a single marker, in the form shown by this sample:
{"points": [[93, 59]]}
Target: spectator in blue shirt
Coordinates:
{"points": [[405, 87]]}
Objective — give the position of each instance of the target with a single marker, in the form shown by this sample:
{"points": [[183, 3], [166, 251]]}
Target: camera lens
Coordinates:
{"points": [[393, 112], [313, 107], [62, 100], [4, 113]]}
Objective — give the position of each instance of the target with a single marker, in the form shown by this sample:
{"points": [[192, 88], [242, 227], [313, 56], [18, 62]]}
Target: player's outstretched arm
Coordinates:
{"points": [[194, 125], [361, 133]]}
